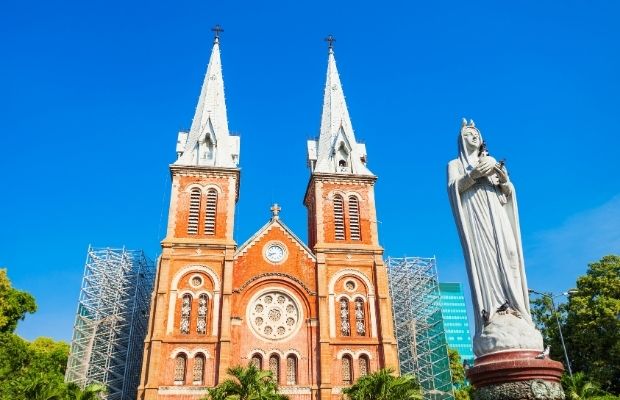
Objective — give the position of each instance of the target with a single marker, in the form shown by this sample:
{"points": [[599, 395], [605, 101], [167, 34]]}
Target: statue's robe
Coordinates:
{"points": [[487, 220]]}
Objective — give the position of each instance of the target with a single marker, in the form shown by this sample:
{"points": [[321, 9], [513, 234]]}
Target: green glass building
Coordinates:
{"points": [[455, 323]]}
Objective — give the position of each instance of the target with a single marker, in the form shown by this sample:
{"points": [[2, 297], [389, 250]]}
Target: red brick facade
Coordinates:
{"points": [[319, 317]]}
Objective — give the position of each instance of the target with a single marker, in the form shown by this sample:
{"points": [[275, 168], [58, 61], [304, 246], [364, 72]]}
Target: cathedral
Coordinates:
{"points": [[317, 314]]}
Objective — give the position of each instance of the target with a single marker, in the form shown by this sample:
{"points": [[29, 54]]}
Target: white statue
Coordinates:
{"points": [[485, 210]]}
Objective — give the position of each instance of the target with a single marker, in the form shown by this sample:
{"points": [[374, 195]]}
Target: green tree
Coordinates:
{"points": [[460, 385], [383, 385], [14, 304], [90, 392], [579, 387], [249, 383], [592, 324]]}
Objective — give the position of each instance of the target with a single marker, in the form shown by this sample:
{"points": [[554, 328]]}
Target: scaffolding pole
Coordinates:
{"points": [[418, 322], [111, 321]]}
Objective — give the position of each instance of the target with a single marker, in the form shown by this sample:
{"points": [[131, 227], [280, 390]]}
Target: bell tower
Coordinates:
{"points": [[188, 343], [355, 313]]}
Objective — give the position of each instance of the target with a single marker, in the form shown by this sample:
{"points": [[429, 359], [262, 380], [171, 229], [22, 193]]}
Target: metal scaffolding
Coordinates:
{"points": [[422, 347], [111, 321]]}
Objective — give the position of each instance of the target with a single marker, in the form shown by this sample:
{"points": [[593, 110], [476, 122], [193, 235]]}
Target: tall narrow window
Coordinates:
{"points": [[186, 311], [360, 323], [194, 211], [274, 367], [180, 363], [345, 326], [347, 370], [364, 365], [201, 322], [338, 217], [210, 212], [199, 368], [291, 370], [257, 361], [354, 218]]}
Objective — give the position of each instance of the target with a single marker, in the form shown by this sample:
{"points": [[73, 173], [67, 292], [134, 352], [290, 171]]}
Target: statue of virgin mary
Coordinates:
{"points": [[484, 205]]}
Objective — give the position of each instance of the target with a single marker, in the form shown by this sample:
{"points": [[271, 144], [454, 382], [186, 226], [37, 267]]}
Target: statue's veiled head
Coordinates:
{"points": [[469, 142]]}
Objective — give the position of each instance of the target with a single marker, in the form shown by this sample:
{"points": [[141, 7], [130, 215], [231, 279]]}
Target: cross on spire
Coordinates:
{"points": [[275, 210], [330, 39], [217, 29]]}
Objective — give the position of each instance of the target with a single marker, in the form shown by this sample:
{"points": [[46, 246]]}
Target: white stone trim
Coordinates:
{"points": [[293, 297], [190, 353], [371, 299], [294, 390], [173, 295], [196, 268], [178, 350], [334, 279], [180, 391], [344, 352], [255, 351]]}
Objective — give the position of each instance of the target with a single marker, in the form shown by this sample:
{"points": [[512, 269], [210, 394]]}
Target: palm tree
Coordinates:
{"points": [[250, 383], [90, 392], [579, 387], [383, 385], [41, 389]]}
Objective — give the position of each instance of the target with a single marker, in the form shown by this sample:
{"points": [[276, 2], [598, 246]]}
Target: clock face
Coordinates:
{"points": [[275, 253]]}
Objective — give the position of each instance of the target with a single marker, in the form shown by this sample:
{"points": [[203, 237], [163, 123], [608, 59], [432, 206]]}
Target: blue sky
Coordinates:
{"points": [[93, 94]]}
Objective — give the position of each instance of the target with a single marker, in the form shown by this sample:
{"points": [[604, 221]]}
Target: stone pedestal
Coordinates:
{"points": [[516, 375]]}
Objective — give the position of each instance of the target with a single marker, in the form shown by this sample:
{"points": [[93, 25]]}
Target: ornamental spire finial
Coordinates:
{"points": [[217, 29], [330, 39]]}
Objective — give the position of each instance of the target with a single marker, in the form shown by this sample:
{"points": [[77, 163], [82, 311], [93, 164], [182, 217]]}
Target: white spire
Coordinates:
{"points": [[336, 150], [208, 142]]}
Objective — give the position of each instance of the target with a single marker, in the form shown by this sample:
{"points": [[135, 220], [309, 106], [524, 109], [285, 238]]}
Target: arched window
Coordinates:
{"points": [[257, 361], [194, 211], [210, 212], [347, 370], [291, 370], [345, 325], [180, 363], [364, 365], [360, 321], [201, 322], [354, 218], [274, 367], [186, 311], [338, 217], [199, 368]]}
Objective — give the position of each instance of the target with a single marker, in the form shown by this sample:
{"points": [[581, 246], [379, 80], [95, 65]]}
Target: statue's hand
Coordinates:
{"points": [[501, 173], [484, 168]]}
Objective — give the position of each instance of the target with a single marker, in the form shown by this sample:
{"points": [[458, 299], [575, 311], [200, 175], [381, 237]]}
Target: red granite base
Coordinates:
{"points": [[513, 366]]}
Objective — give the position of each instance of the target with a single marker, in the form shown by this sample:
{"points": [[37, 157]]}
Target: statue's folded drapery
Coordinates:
{"points": [[486, 215]]}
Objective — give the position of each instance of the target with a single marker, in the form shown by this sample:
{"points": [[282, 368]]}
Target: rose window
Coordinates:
{"points": [[274, 315]]}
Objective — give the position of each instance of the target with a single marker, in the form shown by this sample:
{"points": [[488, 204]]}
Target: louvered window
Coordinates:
{"points": [[274, 367], [354, 218], [199, 368], [194, 212], [179, 368], [210, 212], [347, 370], [291, 370], [338, 217]]}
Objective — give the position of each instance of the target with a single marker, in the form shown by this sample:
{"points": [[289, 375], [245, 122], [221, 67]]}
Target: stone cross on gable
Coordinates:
{"points": [[275, 210]]}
